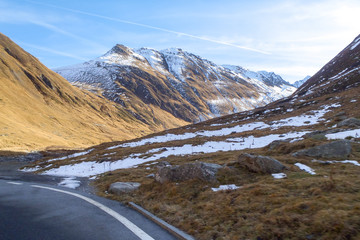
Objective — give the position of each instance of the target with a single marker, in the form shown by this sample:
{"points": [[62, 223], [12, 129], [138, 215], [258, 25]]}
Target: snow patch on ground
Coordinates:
{"points": [[86, 169], [312, 118], [342, 135], [70, 182], [305, 168], [71, 155], [354, 162], [225, 187], [279, 175], [355, 44]]}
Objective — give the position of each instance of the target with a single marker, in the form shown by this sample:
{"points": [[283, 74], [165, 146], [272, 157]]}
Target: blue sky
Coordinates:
{"points": [[291, 38]]}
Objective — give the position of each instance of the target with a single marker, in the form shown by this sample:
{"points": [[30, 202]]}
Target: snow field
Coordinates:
{"points": [[87, 169], [297, 121]]}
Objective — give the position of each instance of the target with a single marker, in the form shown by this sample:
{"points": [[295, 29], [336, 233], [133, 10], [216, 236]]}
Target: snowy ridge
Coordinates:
{"points": [[271, 85], [205, 89]]}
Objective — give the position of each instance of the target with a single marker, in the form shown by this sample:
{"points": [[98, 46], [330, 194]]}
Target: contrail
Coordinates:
{"points": [[150, 27], [52, 51]]}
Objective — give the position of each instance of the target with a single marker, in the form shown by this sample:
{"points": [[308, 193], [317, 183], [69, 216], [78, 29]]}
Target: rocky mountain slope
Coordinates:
{"points": [[40, 109], [340, 74], [181, 83], [289, 170]]}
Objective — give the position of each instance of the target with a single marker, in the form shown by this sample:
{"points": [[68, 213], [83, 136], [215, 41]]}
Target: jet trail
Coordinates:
{"points": [[151, 27]]}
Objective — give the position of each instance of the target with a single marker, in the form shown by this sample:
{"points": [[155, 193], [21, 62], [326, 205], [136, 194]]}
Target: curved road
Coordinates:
{"points": [[33, 210]]}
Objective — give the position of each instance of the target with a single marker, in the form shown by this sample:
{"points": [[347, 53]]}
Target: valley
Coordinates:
{"points": [[313, 133]]}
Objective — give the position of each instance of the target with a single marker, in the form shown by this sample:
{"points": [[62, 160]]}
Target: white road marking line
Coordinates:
{"points": [[15, 183], [132, 227]]}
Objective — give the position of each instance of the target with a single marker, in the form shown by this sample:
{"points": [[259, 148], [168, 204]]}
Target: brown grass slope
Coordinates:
{"points": [[341, 73], [302, 206], [40, 109]]}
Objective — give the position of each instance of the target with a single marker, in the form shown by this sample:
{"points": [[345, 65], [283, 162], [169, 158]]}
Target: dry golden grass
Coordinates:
{"points": [[302, 206], [41, 110]]}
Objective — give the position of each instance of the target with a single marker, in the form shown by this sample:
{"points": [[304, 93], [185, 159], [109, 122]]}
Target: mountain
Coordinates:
{"points": [[314, 133], [340, 74], [270, 83], [298, 83], [40, 109], [187, 86]]}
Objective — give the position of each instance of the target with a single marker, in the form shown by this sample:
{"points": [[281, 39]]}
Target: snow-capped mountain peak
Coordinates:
{"points": [[179, 82]]}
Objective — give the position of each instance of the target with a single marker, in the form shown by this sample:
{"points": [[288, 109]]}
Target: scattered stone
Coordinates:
{"points": [[342, 113], [152, 175], [198, 170], [337, 149], [320, 135], [163, 164], [260, 164], [350, 122], [123, 187], [275, 144]]}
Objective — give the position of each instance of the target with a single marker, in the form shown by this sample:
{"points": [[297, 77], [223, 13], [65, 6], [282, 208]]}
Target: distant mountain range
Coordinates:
{"points": [[185, 85]]}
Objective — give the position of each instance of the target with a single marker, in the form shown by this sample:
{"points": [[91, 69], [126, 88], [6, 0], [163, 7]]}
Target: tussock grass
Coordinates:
{"points": [[302, 206]]}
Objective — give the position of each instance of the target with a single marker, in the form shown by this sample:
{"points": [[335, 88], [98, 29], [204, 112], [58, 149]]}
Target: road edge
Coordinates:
{"points": [[173, 230]]}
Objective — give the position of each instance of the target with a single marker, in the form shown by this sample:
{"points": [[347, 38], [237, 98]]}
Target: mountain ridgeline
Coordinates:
{"points": [[294, 160], [340, 74], [40, 109], [180, 83]]}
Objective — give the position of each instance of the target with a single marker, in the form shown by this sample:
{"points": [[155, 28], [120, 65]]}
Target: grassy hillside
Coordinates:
{"points": [[323, 203], [40, 109]]}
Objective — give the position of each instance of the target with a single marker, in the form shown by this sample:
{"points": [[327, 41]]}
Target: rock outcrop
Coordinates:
{"points": [[123, 187], [350, 122], [337, 149], [260, 164], [198, 170]]}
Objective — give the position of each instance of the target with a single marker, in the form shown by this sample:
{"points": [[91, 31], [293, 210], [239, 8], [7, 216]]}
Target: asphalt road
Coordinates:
{"points": [[34, 207]]}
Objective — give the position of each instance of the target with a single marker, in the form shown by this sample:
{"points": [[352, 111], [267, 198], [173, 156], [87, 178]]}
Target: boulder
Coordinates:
{"points": [[123, 187], [337, 149], [260, 164], [350, 122], [276, 143], [321, 135], [198, 170]]}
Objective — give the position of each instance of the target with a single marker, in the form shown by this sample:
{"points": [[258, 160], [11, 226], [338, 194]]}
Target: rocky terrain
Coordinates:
{"points": [[288, 170], [180, 83]]}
